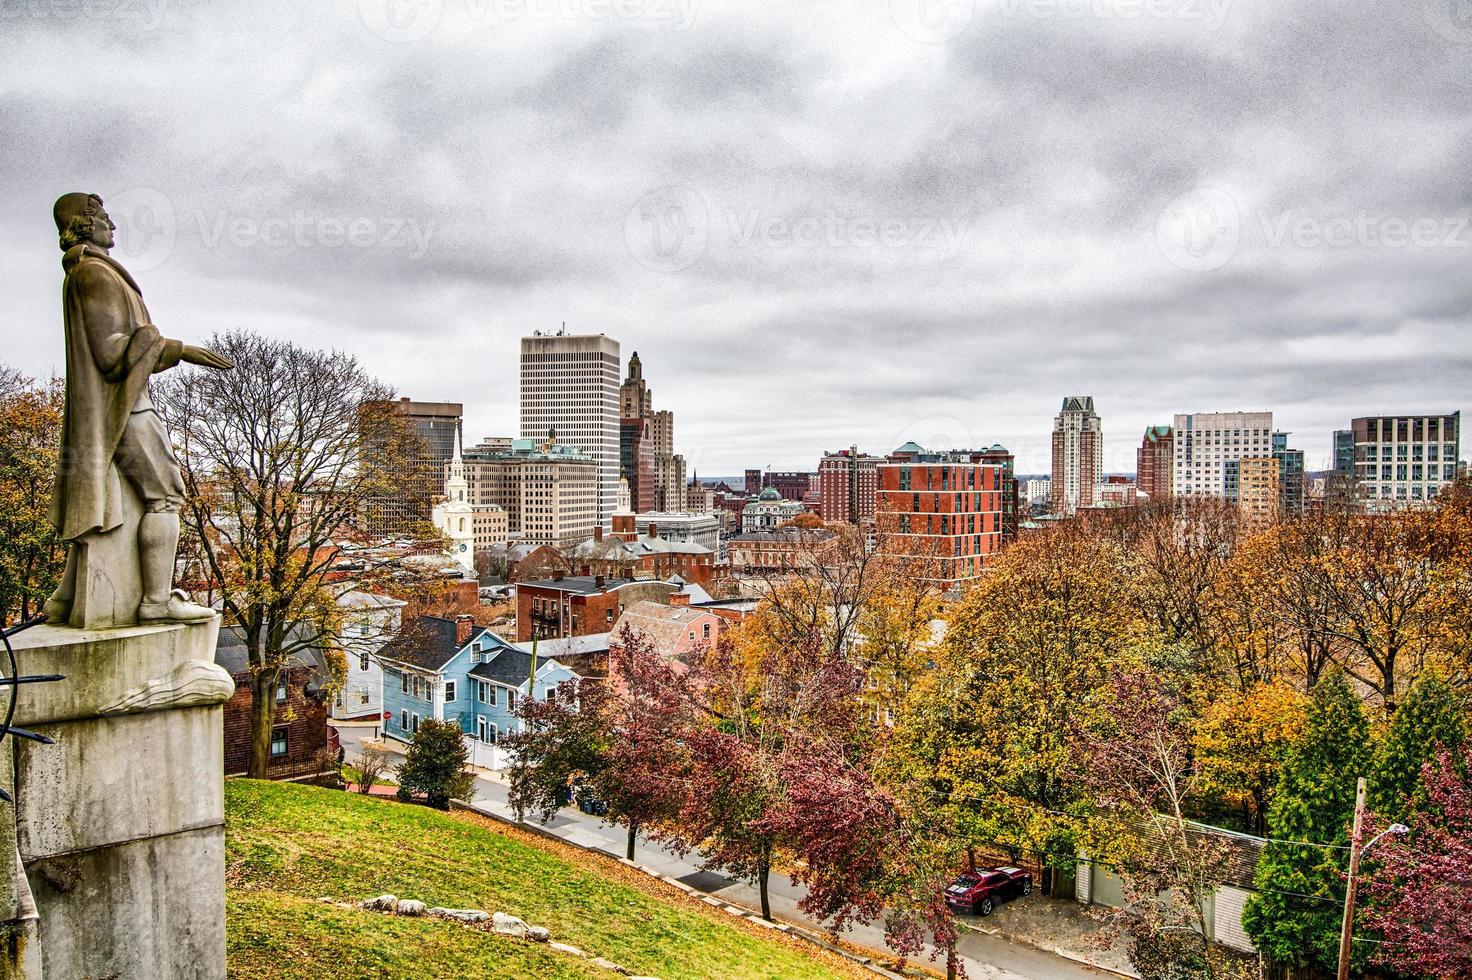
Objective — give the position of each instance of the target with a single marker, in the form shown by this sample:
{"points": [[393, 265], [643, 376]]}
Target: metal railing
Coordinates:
{"points": [[13, 679]]}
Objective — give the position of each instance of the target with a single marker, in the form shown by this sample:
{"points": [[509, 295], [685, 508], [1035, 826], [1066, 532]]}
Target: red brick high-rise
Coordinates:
{"points": [[1154, 461], [1078, 454], [947, 512], [848, 483]]}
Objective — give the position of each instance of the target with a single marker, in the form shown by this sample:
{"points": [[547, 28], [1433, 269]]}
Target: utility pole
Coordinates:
{"points": [[1347, 929]]}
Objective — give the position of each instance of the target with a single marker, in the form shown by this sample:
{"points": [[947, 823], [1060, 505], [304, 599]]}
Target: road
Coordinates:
{"points": [[986, 957]]}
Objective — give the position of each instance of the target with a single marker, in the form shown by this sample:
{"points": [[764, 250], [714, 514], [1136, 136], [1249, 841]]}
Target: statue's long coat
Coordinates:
{"points": [[111, 349]]}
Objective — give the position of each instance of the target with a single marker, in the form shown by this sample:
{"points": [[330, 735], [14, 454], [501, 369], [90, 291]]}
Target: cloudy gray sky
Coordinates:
{"points": [[819, 223]]}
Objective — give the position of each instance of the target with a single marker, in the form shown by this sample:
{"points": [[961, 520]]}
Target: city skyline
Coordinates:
{"points": [[862, 230]]}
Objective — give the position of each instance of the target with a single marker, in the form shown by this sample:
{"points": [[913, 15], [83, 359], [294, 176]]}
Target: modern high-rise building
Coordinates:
{"points": [[1259, 488], [570, 386], [946, 513], [848, 482], [407, 511], [636, 460], [1343, 452], [1290, 476], [1154, 461], [1405, 459], [1207, 442], [1078, 454]]}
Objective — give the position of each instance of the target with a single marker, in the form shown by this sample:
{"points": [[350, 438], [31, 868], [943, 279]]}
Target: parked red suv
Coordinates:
{"points": [[980, 890]]}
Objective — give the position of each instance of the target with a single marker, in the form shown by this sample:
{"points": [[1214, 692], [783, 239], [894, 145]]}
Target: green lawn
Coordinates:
{"points": [[287, 845]]}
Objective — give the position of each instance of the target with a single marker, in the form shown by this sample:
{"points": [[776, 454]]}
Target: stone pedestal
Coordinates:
{"points": [[120, 824]]}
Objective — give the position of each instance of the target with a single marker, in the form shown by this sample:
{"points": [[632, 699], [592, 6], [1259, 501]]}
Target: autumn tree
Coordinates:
{"points": [[1432, 717], [279, 457], [621, 738], [1133, 749], [32, 557], [1024, 648], [1417, 888], [1294, 919], [1240, 740]]}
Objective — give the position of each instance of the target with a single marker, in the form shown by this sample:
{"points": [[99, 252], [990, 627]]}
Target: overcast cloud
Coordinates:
{"points": [[819, 223]]}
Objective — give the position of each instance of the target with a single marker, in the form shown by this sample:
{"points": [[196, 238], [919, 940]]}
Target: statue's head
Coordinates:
{"points": [[80, 219]]}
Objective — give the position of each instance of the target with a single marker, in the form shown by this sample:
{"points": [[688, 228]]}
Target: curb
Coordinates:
{"points": [[739, 911]]}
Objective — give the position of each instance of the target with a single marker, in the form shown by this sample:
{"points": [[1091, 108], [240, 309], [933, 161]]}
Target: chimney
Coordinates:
{"points": [[679, 598], [653, 530], [598, 581], [598, 532], [464, 626]]}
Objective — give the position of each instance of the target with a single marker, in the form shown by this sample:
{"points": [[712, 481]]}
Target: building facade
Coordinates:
{"points": [[570, 387], [946, 512], [370, 621], [1208, 447], [1402, 460], [662, 487], [1078, 454], [848, 485], [682, 527], [636, 461], [1291, 487], [769, 510], [1155, 462], [780, 550], [579, 605], [548, 492], [407, 511]]}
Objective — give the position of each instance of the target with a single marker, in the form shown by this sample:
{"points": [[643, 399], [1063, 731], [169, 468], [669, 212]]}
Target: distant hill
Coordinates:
{"points": [[288, 845]]}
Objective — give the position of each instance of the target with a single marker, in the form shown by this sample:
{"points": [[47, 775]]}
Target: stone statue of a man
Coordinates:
{"points": [[110, 429]]}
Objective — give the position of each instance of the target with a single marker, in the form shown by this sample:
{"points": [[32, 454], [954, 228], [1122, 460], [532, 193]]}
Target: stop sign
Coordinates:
{"points": [[387, 715]]}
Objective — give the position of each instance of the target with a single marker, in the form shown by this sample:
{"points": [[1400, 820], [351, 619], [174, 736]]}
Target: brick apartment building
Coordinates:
{"points": [[791, 485], [951, 513], [300, 733], [780, 549], [579, 605], [848, 483]]}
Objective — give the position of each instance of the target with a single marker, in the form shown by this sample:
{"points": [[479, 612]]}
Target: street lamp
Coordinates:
{"points": [[1355, 853]]}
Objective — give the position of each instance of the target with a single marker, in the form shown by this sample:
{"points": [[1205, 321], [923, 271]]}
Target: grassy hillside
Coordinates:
{"points": [[287, 845]]}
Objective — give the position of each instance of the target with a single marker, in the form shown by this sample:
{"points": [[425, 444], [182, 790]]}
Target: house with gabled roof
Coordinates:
{"points": [[454, 670]]}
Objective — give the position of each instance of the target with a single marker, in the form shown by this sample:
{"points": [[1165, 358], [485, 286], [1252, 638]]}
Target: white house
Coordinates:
{"points": [[369, 622]]}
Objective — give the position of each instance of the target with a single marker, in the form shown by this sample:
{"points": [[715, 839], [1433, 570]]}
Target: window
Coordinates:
{"points": [[608, 615], [278, 742], [415, 728], [404, 682], [449, 691], [510, 700], [281, 691], [705, 631], [404, 720], [363, 662]]}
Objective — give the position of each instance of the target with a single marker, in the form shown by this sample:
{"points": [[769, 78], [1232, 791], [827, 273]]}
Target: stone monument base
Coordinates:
{"points": [[120, 823]]}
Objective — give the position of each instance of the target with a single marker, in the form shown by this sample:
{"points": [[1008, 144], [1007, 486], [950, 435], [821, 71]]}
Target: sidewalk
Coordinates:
{"points": [[1061, 926]]}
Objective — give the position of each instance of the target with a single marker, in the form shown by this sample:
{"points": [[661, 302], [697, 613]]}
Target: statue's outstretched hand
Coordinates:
{"points": [[205, 357]]}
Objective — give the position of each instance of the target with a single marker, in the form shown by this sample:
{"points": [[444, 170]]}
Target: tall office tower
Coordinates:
{"points": [[847, 484], [1153, 462], [570, 385], [636, 401], [1207, 442], [1343, 454], [408, 510], [1078, 454], [1259, 488], [1290, 476], [1403, 460], [636, 461]]}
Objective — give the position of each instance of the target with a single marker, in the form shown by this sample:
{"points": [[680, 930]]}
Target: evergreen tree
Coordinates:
{"points": [[1432, 716], [1295, 918], [436, 765]]}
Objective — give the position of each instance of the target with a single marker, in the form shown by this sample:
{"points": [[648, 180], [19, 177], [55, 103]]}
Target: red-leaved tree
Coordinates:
{"points": [[1418, 887]]}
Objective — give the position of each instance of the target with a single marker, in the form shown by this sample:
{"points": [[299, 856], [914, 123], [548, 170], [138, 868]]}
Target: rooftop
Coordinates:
{"points": [[427, 643], [578, 584]]}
